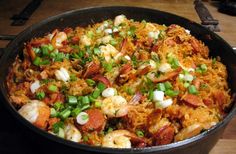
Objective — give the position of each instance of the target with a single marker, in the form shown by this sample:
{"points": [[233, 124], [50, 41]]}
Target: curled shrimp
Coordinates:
{"points": [[115, 106], [72, 133], [117, 139], [58, 38], [123, 139], [36, 112]]}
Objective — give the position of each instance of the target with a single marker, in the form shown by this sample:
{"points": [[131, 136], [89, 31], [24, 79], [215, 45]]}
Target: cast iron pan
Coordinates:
{"points": [[196, 145]]}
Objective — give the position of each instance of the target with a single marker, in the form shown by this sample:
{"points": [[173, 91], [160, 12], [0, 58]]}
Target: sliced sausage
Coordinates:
{"points": [[165, 135], [30, 52], [192, 100], [75, 39], [40, 41], [219, 98], [144, 71], [168, 76], [102, 79], [96, 121], [124, 74], [92, 69], [207, 102], [125, 68]]}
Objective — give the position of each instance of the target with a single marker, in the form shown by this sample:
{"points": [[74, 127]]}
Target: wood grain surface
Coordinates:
{"points": [[185, 8]]}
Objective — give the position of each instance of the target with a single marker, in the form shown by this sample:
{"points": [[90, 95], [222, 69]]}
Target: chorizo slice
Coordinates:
{"points": [[192, 100], [219, 98], [137, 142], [125, 68], [168, 76], [30, 52], [144, 71], [92, 69], [39, 42], [96, 121], [102, 79], [207, 102], [165, 135], [124, 74]]}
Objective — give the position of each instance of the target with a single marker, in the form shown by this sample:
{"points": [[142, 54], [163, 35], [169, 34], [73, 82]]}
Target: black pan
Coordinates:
{"points": [[199, 144]]}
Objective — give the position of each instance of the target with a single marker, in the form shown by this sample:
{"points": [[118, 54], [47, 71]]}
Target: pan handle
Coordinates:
{"points": [[5, 38]]}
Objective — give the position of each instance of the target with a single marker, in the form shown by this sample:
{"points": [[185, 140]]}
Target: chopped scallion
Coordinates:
{"points": [[58, 106], [96, 51], [61, 133], [90, 82], [98, 104], [96, 93], [85, 107], [37, 61], [52, 88], [107, 66], [101, 86], [40, 95], [113, 42], [56, 126], [109, 130], [84, 117], [85, 100], [171, 93], [72, 100], [140, 133], [186, 84], [161, 86], [53, 113], [75, 112], [65, 114], [192, 89], [150, 94], [73, 77], [168, 85]]}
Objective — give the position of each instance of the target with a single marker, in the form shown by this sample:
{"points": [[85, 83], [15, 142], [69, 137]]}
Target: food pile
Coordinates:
{"points": [[119, 83]]}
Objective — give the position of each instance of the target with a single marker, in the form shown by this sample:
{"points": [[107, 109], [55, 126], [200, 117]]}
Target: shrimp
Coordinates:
{"points": [[72, 133], [36, 112], [117, 139], [115, 106], [58, 38]]}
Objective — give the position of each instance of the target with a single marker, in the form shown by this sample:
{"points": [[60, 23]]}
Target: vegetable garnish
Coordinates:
{"points": [[52, 88], [57, 125], [202, 68], [72, 100], [90, 82], [140, 133], [82, 118], [192, 89], [40, 95]]}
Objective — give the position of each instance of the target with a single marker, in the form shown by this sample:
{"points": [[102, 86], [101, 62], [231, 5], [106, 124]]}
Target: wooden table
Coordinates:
{"points": [[185, 8]]}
